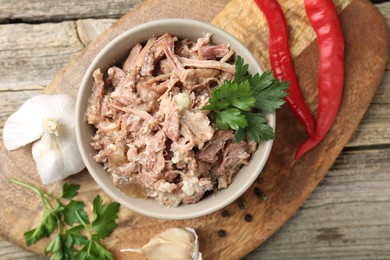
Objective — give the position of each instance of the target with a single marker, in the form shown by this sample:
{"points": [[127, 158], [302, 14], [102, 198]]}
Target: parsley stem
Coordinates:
{"points": [[85, 225], [33, 188], [42, 194]]}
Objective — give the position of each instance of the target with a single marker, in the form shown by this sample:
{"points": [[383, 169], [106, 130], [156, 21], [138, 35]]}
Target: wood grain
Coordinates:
{"points": [[347, 217], [244, 19], [57, 10], [233, 207]]}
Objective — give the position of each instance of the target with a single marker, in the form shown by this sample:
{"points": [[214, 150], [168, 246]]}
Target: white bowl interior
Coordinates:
{"points": [[114, 54]]}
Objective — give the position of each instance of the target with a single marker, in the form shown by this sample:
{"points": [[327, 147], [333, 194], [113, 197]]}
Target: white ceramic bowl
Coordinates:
{"points": [[114, 54]]}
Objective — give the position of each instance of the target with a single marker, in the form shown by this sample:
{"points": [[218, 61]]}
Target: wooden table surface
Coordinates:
{"points": [[346, 217]]}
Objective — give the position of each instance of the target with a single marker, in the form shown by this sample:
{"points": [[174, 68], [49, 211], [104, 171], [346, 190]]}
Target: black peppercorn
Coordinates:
{"points": [[259, 193], [221, 233], [225, 213], [248, 217], [242, 204]]}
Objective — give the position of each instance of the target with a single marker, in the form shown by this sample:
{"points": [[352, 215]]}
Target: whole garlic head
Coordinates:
{"points": [[172, 244], [48, 121]]}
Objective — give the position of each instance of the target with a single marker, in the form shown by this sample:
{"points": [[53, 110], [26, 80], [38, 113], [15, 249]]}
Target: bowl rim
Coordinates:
{"points": [[79, 119]]}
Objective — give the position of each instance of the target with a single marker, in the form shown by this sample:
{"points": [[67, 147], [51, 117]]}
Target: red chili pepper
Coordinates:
{"points": [[323, 17], [281, 61]]}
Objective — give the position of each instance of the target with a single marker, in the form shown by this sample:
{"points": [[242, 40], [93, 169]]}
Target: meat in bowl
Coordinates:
{"points": [[151, 135]]}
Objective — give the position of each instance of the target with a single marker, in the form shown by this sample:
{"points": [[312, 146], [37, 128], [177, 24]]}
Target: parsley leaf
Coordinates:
{"points": [[239, 135], [241, 70], [258, 129], [104, 217], [73, 212], [62, 216], [44, 229], [237, 104], [55, 246], [232, 118], [69, 191], [238, 95], [73, 236], [94, 250], [268, 91]]}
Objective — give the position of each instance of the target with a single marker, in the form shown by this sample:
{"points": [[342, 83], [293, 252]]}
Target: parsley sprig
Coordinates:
{"points": [[69, 218], [237, 104]]}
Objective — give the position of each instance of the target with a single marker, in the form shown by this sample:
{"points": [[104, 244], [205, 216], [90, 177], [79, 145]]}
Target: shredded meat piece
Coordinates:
{"points": [[131, 61], [145, 59], [93, 114], [198, 78], [234, 156], [228, 56], [210, 151], [150, 129], [202, 42], [207, 64], [169, 109], [171, 56], [213, 52], [199, 125]]}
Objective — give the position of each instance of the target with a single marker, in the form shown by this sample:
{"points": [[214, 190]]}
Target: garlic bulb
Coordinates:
{"points": [[49, 121], [172, 244]]}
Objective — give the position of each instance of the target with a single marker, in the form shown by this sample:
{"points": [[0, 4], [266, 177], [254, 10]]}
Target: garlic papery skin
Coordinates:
{"points": [[172, 244], [49, 120]]}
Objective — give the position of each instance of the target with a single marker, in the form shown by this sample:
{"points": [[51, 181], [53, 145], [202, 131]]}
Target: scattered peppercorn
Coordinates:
{"points": [[221, 233], [259, 193], [225, 213], [248, 217], [242, 204]]}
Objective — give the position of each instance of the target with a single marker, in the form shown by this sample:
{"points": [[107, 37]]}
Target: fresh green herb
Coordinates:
{"points": [[237, 104], [69, 218]]}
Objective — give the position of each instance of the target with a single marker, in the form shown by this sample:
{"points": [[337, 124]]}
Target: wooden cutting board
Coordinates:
{"points": [[285, 182]]}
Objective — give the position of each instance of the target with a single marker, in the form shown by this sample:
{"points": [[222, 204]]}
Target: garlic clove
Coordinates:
{"points": [[172, 244], [56, 157]]}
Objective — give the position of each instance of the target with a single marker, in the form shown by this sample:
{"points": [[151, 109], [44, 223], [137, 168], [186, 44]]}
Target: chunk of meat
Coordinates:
{"points": [[228, 56], [170, 111], [124, 84], [193, 78], [131, 61], [199, 125], [183, 48], [203, 41], [210, 151], [213, 52], [174, 61], [148, 96], [207, 64], [181, 147], [194, 189], [152, 159], [145, 59], [235, 155], [93, 114]]}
